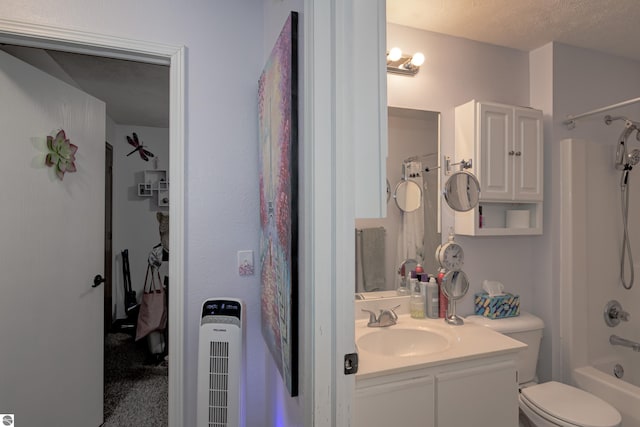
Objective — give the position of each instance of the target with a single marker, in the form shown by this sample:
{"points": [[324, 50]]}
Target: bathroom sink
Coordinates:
{"points": [[396, 342]]}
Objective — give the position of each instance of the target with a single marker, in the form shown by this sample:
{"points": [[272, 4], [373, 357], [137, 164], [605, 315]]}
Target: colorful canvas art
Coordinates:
{"points": [[278, 129]]}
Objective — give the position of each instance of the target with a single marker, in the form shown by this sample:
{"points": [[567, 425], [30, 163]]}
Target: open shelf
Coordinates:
{"points": [[494, 220], [155, 181]]}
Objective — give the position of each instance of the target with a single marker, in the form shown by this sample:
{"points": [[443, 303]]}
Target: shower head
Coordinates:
{"points": [[621, 150], [633, 158]]}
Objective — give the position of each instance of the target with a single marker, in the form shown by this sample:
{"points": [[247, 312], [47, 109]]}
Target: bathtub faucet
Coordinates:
{"points": [[616, 340]]}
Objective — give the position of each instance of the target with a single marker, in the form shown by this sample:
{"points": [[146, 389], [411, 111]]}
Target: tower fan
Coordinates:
{"points": [[221, 364]]}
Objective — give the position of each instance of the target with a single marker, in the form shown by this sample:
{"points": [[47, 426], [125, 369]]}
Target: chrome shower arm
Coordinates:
{"points": [[628, 122]]}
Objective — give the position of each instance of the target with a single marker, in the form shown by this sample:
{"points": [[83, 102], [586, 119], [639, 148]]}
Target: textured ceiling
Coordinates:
{"points": [[135, 93], [611, 26]]}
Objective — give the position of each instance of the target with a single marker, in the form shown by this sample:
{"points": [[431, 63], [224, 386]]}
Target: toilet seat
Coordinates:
{"points": [[568, 406]]}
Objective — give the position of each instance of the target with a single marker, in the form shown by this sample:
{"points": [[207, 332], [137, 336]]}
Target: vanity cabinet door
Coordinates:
{"points": [[407, 402], [478, 396]]}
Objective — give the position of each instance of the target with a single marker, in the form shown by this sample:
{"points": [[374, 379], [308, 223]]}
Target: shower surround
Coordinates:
{"points": [[591, 238]]}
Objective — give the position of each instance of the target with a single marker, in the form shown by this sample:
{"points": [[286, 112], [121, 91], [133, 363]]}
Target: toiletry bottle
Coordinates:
{"points": [[419, 272], [403, 286], [443, 301], [403, 281], [423, 291], [432, 299], [416, 301]]}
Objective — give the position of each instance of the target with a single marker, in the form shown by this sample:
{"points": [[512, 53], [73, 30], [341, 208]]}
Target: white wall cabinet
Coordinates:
{"points": [[481, 392], [505, 144]]}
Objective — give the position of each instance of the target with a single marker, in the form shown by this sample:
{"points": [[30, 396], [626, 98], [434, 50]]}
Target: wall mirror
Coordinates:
{"points": [[414, 138]]}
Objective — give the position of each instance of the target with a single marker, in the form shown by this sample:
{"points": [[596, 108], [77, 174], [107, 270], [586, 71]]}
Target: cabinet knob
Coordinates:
{"points": [[518, 153], [511, 153]]}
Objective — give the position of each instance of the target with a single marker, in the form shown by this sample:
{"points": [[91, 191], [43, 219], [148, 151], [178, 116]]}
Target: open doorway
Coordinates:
{"points": [[177, 403]]}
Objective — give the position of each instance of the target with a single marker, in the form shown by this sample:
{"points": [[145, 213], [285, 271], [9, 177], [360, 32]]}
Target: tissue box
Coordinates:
{"points": [[498, 306]]}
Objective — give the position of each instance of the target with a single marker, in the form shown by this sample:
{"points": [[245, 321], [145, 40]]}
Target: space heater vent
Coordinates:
{"points": [[218, 383], [221, 364]]}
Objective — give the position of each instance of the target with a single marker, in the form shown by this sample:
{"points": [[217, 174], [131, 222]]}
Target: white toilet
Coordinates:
{"points": [[551, 403]]}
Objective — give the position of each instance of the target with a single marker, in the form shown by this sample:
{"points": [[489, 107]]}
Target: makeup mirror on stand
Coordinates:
{"points": [[455, 286]]}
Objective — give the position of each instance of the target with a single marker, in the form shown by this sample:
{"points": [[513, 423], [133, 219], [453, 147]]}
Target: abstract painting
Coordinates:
{"points": [[278, 134]]}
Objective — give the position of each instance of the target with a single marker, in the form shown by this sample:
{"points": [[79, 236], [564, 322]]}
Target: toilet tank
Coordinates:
{"points": [[525, 328]]}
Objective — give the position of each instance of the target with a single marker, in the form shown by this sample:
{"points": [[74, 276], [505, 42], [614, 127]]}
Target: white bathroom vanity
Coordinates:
{"points": [[428, 373]]}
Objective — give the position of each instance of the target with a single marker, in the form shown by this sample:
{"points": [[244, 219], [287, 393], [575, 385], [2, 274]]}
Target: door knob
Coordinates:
{"points": [[97, 281]]}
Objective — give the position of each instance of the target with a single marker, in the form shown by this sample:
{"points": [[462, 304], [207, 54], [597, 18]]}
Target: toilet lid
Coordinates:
{"points": [[571, 405]]}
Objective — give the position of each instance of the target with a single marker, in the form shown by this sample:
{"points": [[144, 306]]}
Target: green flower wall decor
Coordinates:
{"points": [[62, 154]]}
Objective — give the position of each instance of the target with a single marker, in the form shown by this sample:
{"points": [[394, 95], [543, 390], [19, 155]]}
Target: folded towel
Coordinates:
{"points": [[370, 259]]}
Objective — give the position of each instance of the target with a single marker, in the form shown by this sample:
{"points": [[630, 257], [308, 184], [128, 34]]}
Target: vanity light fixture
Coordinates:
{"points": [[399, 63]]}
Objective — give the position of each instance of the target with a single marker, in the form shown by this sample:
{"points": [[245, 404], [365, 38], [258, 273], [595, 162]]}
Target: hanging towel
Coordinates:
{"points": [[370, 259], [410, 244]]}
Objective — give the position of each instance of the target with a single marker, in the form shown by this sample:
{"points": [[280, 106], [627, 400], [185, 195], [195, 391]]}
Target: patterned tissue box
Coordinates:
{"points": [[497, 307]]}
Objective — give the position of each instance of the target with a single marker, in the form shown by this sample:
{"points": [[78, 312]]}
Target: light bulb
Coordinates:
{"points": [[394, 54], [417, 59]]}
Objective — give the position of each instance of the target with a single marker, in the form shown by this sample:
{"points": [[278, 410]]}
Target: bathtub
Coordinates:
{"points": [[623, 394]]}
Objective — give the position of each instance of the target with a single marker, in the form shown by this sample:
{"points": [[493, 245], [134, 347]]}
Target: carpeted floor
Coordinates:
{"points": [[135, 393]]}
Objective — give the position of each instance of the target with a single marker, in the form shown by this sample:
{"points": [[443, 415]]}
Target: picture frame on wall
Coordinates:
{"points": [[278, 175]]}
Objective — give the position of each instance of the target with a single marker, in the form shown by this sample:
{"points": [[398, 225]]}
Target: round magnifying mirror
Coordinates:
{"points": [[462, 191], [408, 196], [455, 284]]}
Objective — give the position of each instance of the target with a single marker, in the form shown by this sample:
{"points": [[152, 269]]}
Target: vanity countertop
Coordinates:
{"points": [[463, 343]]}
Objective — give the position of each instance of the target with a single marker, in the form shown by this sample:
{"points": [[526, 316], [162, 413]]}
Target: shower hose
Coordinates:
{"points": [[626, 244]]}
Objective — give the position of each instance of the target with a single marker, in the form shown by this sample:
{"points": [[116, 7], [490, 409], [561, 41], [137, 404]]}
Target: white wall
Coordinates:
{"points": [[456, 71], [135, 226], [221, 149]]}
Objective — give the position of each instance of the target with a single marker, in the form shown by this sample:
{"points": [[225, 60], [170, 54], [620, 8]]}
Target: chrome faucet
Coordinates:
{"points": [[383, 319], [616, 340]]}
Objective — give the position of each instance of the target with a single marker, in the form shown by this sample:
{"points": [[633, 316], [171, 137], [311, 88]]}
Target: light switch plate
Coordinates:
{"points": [[245, 263]]}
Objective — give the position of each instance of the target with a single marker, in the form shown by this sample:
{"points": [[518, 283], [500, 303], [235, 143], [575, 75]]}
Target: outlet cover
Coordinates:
{"points": [[245, 263]]}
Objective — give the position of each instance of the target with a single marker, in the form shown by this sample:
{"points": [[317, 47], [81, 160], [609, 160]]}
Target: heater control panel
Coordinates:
{"points": [[222, 307]]}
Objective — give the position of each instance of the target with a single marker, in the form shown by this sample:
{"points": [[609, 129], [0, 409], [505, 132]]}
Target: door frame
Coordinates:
{"points": [[49, 37]]}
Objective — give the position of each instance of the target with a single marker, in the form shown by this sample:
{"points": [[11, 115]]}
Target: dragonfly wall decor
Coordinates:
{"points": [[135, 142]]}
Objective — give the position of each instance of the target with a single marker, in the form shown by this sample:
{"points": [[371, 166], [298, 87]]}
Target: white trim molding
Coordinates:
{"points": [[48, 37]]}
